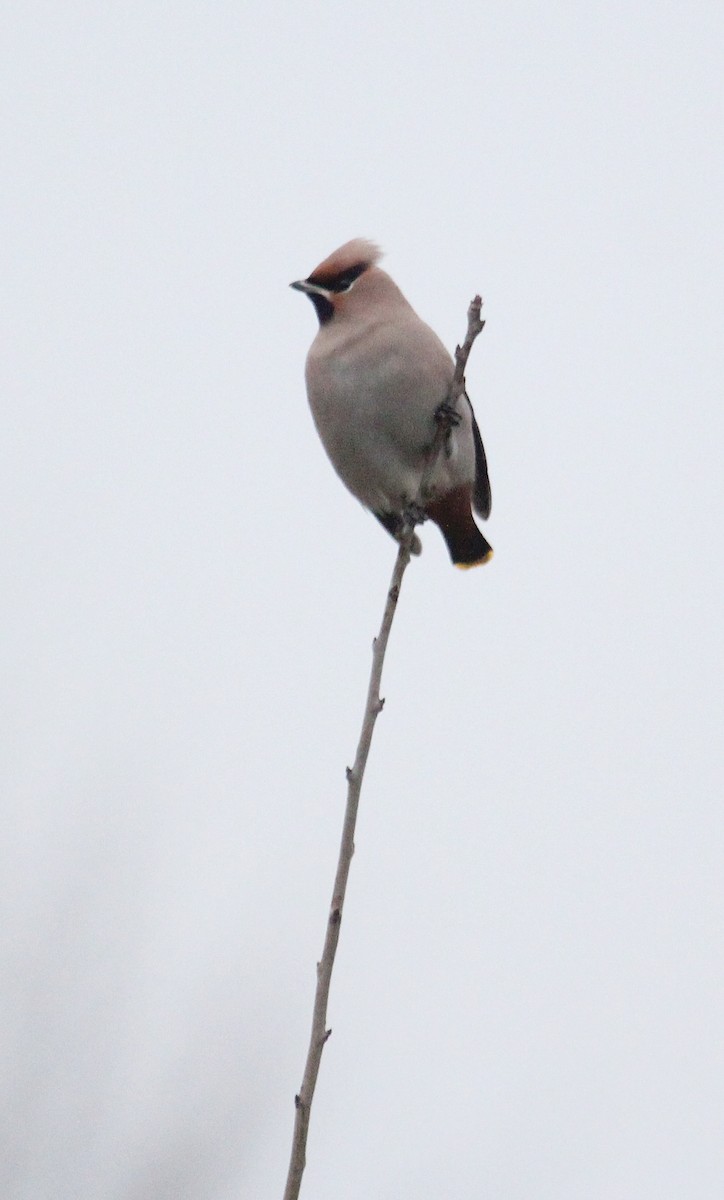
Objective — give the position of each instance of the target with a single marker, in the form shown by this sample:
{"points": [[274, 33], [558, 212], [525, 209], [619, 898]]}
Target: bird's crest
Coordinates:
{"points": [[346, 264]]}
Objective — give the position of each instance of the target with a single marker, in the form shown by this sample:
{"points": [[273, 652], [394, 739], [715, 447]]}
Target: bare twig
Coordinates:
{"points": [[320, 1033], [446, 418], [462, 353]]}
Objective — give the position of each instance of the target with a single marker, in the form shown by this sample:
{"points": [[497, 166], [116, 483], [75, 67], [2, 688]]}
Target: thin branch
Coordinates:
{"points": [[462, 353], [446, 417], [355, 774]]}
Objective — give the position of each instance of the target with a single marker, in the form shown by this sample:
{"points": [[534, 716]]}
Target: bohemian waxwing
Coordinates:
{"points": [[376, 375]]}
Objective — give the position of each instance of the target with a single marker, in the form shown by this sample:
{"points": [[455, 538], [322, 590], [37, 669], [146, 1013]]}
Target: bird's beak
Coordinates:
{"points": [[309, 289]]}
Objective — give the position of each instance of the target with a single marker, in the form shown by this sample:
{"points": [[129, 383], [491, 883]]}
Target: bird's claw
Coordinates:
{"points": [[447, 414], [414, 514]]}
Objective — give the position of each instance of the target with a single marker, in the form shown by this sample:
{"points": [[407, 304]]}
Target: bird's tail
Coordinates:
{"points": [[452, 512], [470, 551]]}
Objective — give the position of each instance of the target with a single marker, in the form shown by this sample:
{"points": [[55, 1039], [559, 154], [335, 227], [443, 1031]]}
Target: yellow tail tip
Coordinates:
{"points": [[478, 562]]}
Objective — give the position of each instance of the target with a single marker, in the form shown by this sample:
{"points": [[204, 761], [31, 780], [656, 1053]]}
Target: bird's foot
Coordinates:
{"points": [[414, 514], [447, 415]]}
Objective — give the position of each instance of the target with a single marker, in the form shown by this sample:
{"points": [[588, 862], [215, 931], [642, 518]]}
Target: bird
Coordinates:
{"points": [[376, 378]]}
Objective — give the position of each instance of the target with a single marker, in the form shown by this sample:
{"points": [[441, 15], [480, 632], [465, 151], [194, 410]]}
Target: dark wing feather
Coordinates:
{"points": [[482, 498]]}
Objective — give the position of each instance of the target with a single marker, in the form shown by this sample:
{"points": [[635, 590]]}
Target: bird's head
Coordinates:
{"points": [[330, 282]]}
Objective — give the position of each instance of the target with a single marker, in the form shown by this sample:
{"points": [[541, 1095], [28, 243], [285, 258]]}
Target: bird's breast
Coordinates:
{"points": [[373, 395]]}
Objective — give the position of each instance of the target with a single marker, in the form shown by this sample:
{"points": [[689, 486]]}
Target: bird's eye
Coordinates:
{"points": [[344, 282]]}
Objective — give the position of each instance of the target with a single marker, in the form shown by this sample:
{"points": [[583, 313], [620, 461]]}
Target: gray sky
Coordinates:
{"points": [[528, 994]]}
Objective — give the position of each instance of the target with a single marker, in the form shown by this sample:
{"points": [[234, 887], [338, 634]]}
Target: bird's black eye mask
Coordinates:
{"points": [[342, 282]]}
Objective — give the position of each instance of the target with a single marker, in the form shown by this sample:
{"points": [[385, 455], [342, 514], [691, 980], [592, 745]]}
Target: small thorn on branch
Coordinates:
{"points": [[297, 1101], [327, 1036], [349, 774]]}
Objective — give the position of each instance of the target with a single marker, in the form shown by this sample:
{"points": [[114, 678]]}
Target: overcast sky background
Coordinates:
{"points": [[528, 994]]}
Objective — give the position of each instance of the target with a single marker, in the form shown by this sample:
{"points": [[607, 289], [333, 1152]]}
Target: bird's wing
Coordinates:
{"points": [[482, 497]]}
